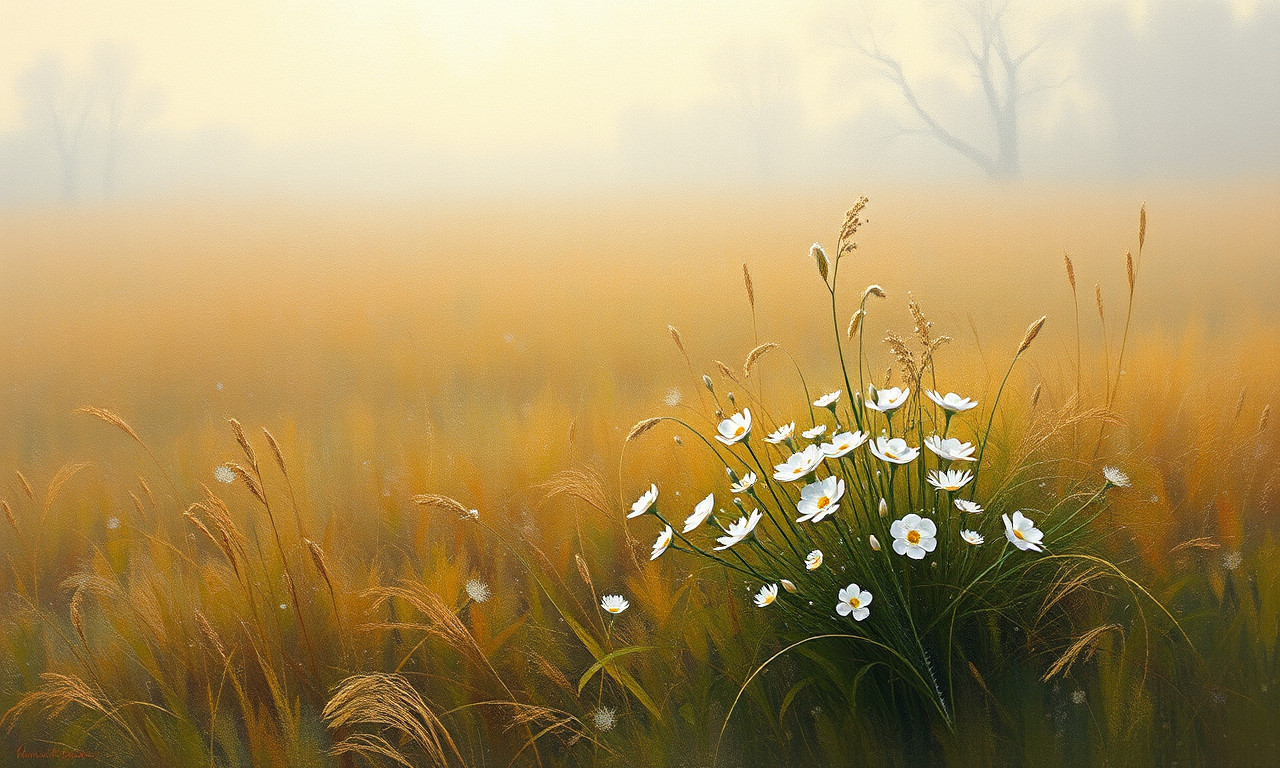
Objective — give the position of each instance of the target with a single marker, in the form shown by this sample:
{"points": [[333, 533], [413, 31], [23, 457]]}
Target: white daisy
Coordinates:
{"points": [[614, 604], [854, 601], [767, 594], [950, 448], [477, 590], [1022, 533], [843, 443], [972, 507], [643, 503], [820, 499], [744, 484], [951, 480], [914, 536], [224, 474], [735, 428], [893, 450], [972, 537], [827, 400], [1116, 477], [813, 560], [817, 431], [700, 513], [664, 541], [781, 434], [951, 401], [799, 464], [738, 530], [886, 400]]}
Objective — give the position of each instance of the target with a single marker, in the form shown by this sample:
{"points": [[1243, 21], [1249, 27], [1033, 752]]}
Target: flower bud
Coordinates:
{"points": [[787, 585], [875, 543], [706, 381], [820, 256], [884, 507], [731, 398]]}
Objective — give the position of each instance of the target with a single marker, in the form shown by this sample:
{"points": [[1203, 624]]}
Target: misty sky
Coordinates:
{"points": [[123, 97]]}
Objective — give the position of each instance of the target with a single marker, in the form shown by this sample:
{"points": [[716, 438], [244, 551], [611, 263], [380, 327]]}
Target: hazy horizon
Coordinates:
{"points": [[123, 101]]}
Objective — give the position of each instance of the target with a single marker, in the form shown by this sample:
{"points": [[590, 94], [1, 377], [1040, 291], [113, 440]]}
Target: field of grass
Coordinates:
{"points": [[319, 610]]}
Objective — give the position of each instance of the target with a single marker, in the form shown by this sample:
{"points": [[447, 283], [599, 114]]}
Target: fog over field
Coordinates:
{"points": [[337, 98]]}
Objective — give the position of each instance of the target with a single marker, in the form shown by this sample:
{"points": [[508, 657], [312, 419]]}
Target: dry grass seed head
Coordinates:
{"points": [[1033, 330], [275, 451], [754, 355], [1128, 268], [727, 372], [386, 701], [317, 558], [210, 635], [441, 502], [1097, 292], [244, 443], [746, 279], [8, 514], [1082, 649], [854, 323], [581, 484], [1266, 416], [675, 336], [26, 486], [641, 427], [1071, 272]]}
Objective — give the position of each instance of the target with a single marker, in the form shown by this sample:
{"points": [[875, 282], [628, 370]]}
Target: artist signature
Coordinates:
{"points": [[55, 753]]}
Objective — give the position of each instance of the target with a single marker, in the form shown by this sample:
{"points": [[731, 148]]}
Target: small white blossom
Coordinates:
{"points": [[893, 450], [614, 604], [951, 480], [738, 530], [914, 536], [951, 401], [972, 507], [886, 400], [843, 443], [1022, 533], [744, 483], [972, 537], [817, 431], [781, 434], [700, 513], [735, 428], [767, 594], [854, 601], [799, 464], [813, 560], [664, 541], [643, 503], [827, 400], [820, 499], [950, 448]]}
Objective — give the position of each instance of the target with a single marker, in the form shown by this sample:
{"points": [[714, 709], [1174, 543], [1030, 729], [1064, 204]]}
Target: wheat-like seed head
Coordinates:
{"points": [[1071, 272], [1035, 396], [1128, 268], [553, 674], [746, 279], [275, 451], [1097, 292], [1084, 645], [441, 502], [852, 221], [8, 514], [641, 427], [755, 355], [854, 323], [317, 559], [872, 290], [110, 418], [727, 372], [1266, 416], [583, 571], [386, 701], [675, 336], [210, 635], [820, 257], [26, 487], [249, 480], [581, 484], [77, 614], [1142, 227], [1033, 330], [244, 444]]}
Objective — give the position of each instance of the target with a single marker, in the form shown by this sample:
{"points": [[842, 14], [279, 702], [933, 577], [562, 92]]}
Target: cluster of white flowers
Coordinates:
{"points": [[914, 535]]}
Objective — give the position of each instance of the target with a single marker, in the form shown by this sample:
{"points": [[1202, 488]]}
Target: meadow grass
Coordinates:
{"points": [[337, 602]]}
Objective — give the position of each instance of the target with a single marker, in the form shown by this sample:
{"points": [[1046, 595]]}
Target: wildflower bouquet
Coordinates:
{"points": [[876, 523]]}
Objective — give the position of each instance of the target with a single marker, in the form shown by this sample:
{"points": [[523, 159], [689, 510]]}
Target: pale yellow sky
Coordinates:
{"points": [[474, 76]]}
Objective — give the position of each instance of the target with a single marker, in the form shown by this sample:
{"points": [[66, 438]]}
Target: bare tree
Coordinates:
{"points": [[59, 107], [999, 69]]}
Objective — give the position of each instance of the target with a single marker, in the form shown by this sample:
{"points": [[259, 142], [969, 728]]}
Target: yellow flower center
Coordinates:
{"points": [[1018, 533], [738, 432], [855, 603], [891, 454], [822, 502], [913, 537]]}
